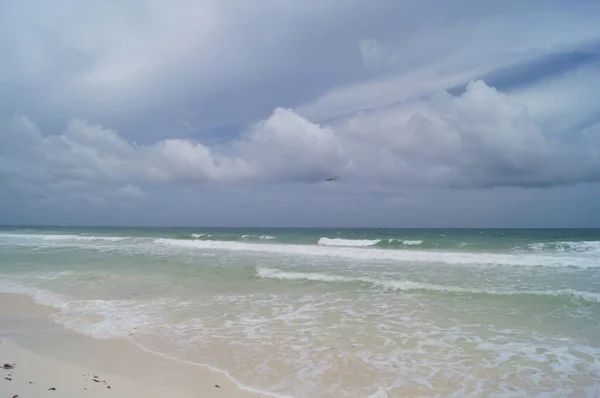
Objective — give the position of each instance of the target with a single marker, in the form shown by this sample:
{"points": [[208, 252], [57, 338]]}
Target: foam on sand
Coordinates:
{"points": [[69, 362]]}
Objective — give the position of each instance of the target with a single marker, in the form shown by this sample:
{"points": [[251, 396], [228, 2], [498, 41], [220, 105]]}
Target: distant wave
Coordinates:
{"points": [[399, 243], [412, 242], [50, 237], [562, 253], [231, 237], [348, 242], [391, 243], [563, 247], [403, 285], [373, 253]]}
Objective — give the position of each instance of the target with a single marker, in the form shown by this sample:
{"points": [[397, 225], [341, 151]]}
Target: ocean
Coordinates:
{"points": [[316, 313]]}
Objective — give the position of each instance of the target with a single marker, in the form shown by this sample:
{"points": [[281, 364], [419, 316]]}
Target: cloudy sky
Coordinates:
{"points": [[222, 112]]}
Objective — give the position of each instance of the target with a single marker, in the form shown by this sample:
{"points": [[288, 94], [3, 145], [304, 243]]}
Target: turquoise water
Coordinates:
{"points": [[334, 312]]}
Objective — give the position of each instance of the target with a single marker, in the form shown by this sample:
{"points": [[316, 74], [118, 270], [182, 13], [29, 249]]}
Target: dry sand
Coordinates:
{"points": [[51, 361]]}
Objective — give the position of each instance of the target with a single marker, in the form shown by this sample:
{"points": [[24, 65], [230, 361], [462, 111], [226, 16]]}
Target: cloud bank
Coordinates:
{"points": [[144, 101], [480, 138]]}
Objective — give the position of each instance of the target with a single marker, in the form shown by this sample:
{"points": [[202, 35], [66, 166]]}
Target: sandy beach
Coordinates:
{"points": [[40, 358], [302, 313]]}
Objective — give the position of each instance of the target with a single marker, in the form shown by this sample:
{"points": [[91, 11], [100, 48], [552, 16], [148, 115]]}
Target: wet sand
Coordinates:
{"points": [[39, 358]]}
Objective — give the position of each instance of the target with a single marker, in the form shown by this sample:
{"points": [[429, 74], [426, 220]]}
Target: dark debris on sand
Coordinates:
{"points": [[96, 379]]}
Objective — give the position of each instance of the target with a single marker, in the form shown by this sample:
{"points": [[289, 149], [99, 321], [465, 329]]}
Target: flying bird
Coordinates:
{"points": [[332, 178]]}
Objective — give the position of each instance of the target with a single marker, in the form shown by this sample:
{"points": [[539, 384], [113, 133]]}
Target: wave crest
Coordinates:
{"points": [[404, 285], [231, 238], [564, 247], [50, 237], [348, 242], [374, 253]]}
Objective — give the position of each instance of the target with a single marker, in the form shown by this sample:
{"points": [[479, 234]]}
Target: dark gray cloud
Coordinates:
{"points": [[127, 108]]}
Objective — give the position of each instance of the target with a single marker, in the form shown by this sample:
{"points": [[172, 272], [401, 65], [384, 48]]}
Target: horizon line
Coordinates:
{"points": [[260, 227]]}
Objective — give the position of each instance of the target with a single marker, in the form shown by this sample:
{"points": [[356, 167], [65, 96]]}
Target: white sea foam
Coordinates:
{"points": [[197, 235], [409, 256], [404, 285], [412, 242], [239, 384], [109, 319], [565, 247], [294, 340], [406, 242], [40, 296], [348, 242], [62, 237], [380, 393], [406, 348]]}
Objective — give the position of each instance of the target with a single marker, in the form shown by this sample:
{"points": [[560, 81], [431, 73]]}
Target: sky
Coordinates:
{"points": [[463, 113]]}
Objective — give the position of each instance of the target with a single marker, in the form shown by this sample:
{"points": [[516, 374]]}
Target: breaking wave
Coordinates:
{"points": [[348, 242], [50, 237], [405, 285], [565, 247], [388, 255], [228, 237], [384, 243]]}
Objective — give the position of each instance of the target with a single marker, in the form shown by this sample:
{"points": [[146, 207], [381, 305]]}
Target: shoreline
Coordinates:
{"points": [[292, 323], [47, 355]]}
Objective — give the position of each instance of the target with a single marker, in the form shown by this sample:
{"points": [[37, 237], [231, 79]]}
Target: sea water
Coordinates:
{"points": [[315, 313]]}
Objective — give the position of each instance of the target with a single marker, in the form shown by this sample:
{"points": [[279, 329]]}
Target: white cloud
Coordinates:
{"points": [[481, 138], [82, 57], [289, 147], [280, 147], [373, 53], [561, 102], [74, 68], [447, 52], [131, 191]]}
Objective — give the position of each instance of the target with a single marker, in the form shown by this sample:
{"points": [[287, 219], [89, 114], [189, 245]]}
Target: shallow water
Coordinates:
{"points": [[334, 313]]}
